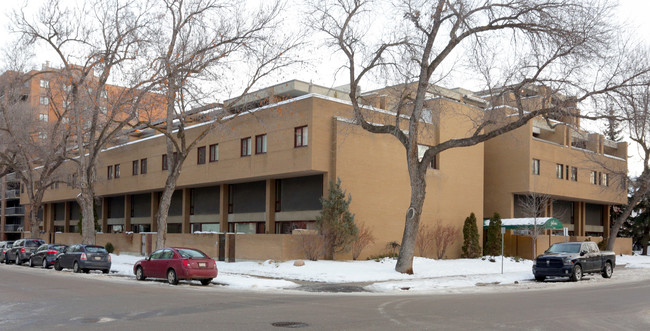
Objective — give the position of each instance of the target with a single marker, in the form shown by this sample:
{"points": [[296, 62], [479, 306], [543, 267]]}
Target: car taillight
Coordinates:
{"points": [[22, 250], [51, 252], [186, 263], [83, 256], [109, 258]]}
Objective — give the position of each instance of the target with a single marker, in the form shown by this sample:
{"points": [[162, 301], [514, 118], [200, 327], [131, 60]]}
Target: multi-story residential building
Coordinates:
{"points": [[579, 175], [46, 94], [264, 171], [12, 213]]}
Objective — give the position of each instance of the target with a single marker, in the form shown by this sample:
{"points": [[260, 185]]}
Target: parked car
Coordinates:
{"points": [[22, 250], [83, 258], [573, 259], [45, 255], [4, 247], [176, 263]]}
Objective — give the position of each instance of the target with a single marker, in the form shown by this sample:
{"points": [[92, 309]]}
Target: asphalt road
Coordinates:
{"points": [[35, 299]]}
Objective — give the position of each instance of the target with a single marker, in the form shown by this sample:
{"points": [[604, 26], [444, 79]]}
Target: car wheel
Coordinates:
{"points": [[139, 274], [576, 275], [17, 261], [171, 277], [31, 262], [57, 266], [607, 270], [105, 271], [540, 278], [75, 267], [205, 282], [44, 264]]}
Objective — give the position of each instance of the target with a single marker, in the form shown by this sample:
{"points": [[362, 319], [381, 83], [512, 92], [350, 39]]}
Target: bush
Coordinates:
{"points": [[603, 245], [471, 247], [379, 257], [493, 243], [444, 236], [312, 245], [424, 240], [393, 247], [336, 222], [364, 238], [109, 247]]}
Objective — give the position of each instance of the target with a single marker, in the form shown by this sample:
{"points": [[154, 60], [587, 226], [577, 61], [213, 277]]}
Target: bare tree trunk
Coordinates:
{"points": [[412, 223], [163, 210], [86, 203], [645, 238]]}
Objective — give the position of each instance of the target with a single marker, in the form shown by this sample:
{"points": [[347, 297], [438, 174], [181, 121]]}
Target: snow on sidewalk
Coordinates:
{"points": [[429, 274]]}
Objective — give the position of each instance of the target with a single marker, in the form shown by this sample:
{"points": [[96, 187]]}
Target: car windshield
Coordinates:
{"points": [[96, 249], [190, 253], [565, 248], [33, 243]]}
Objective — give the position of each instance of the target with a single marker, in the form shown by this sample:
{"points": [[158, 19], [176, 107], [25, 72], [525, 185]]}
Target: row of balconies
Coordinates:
{"points": [[566, 136]]}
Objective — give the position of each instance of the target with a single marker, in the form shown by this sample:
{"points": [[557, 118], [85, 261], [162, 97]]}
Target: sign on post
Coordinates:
{"points": [[503, 231], [566, 233]]}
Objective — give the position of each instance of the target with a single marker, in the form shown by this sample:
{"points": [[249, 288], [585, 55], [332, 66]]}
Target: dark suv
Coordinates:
{"points": [[22, 250], [4, 247], [84, 258]]}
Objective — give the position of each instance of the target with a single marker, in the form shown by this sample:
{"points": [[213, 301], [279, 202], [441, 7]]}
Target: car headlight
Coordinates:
{"points": [[567, 261]]}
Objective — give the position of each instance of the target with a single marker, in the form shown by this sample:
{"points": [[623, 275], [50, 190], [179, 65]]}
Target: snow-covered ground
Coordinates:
{"points": [[380, 276]]}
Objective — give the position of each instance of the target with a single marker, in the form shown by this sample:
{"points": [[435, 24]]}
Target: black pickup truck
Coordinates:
{"points": [[573, 259]]}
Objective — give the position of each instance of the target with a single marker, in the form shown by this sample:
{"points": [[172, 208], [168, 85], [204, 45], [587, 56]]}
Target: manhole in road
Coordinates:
{"points": [[290, 325]]}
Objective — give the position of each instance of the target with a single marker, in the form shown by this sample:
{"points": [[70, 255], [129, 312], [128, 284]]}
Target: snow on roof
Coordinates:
{"points": [[526, 222]]}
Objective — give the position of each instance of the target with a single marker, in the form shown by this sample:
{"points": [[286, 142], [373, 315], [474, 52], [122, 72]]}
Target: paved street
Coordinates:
{"points": [[35, 299]]}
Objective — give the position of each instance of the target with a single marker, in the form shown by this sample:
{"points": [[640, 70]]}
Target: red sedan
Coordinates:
{"points": [[177, 263]]}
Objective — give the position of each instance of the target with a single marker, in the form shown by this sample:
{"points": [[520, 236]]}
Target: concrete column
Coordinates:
{"points": [[105, 215], [326, 184], [223, 208], [186, 210], [155, 203], [270, 206], [127, 212], [66, 216]]}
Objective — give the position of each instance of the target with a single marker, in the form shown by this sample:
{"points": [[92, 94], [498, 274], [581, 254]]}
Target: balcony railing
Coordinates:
{"points": [[13, 227], [11, 194], [15, 211]]}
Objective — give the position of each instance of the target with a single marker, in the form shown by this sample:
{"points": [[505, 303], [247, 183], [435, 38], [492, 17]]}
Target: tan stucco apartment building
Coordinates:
{"points": [[264, 171]]}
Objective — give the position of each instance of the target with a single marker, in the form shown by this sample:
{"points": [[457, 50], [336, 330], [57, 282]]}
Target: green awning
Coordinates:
{"points": [[546, 223]]}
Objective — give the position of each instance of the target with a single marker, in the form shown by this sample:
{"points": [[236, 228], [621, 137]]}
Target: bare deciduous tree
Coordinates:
{"points": [[534, 205], [554, 44], [425, 239], [196, 41], [444, 236], [364, 238], [94, 42]]}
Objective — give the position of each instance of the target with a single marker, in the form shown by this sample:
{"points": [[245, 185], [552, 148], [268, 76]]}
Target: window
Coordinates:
{"points": [[434, 162], [535, 167], [260, 144], [605, 180], [103, 110], [136, 167], [43, 117], [246, 145], [117, 171], [600, 179], [44, 101], [592, 177], [45, 83], [109, 172], [574, 174], [66, 104], [67, 88], [42, 135], [104, 94], [566, 173], [559, 171], [143, 166], [214, 153], [165, 165], [200, 155], [301, 136]]}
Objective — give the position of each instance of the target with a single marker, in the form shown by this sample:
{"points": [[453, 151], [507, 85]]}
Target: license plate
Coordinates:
{"points": [[202, 264], [98, 258]]}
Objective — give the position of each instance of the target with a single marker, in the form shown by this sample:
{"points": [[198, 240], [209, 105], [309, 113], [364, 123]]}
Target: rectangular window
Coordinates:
{"points": [[434, 162], [45, 83], [109, 172], [200, 155], [566, 173], [600, 179], [214, 153], [143, 166], [165, 165], [44, 101], [301, 136], [535, 167], [592, 177], [246, 145], [43, 117], [260, 144], [574, 174], [42, 135], [559, 171], [605, 180], [104, 94], [136, 167], [117, 171], [66, 104]]}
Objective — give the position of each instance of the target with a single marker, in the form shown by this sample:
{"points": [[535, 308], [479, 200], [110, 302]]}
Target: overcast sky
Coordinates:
{"points": [[632, 12]]}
